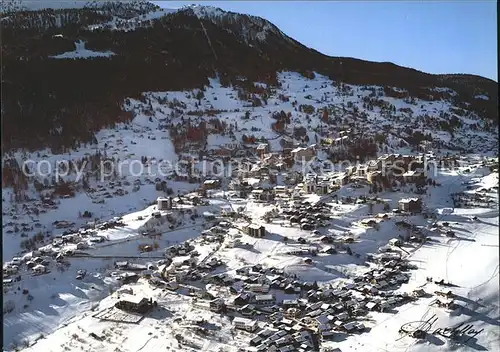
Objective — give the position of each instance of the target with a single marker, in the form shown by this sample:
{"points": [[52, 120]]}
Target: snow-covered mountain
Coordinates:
{"points": [[146, 39], [251, 28], [34, 5]]}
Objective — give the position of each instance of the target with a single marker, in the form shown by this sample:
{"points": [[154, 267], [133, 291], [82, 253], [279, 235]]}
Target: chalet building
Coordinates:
{"points": [[255, 341], [39, 269], [290, 303], [10, 270], [261, 171], [208, 216], [447, 303], [319, 186], [227, 211], [135, 304], [414, 176], [259, 288], [309, 186], [274, 162], [222, 152], [351, 170], [242, 299], [286, 143], [255, 230], [303, 154], [362, 170], [244, 168], [164, 203], [341, 180], [395, 242], [264, 300], [217, 305], [262, 149], [245, 324], [374, 177], [411, 205], [322, 188], [280, 190], [211, 184]]}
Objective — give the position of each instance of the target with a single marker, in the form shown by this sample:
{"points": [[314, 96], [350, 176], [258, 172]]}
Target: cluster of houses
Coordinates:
{"points": [[37, 265], [264, 177], [306, 215], [314, 313], [290, 151], [35, 208], [278, 339], [479, 198], [308, 314], [444, 300]]}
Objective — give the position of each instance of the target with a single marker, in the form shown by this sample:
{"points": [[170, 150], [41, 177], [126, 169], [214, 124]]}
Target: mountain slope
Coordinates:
{"points": [[66, 101]]}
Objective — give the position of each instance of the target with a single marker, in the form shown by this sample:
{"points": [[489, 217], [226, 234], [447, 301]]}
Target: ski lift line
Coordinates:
{"points": [[208, 39]]}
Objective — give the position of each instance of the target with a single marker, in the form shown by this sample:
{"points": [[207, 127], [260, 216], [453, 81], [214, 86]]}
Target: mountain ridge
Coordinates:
{"points": [[154, 43], [208, 12]]}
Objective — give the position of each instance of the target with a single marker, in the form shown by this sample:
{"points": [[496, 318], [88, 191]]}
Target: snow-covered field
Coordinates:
{"points": [[81, 52]]}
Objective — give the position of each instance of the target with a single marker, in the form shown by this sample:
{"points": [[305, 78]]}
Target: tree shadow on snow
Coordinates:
{"points": [[461, 229], [339, 337], [46, 310], [465, 239], [78, 292], [475, 316], [486, 222], [472, 343], [434, 340], [434, 243], [467, 300], [160, 313], [58, 302]]}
